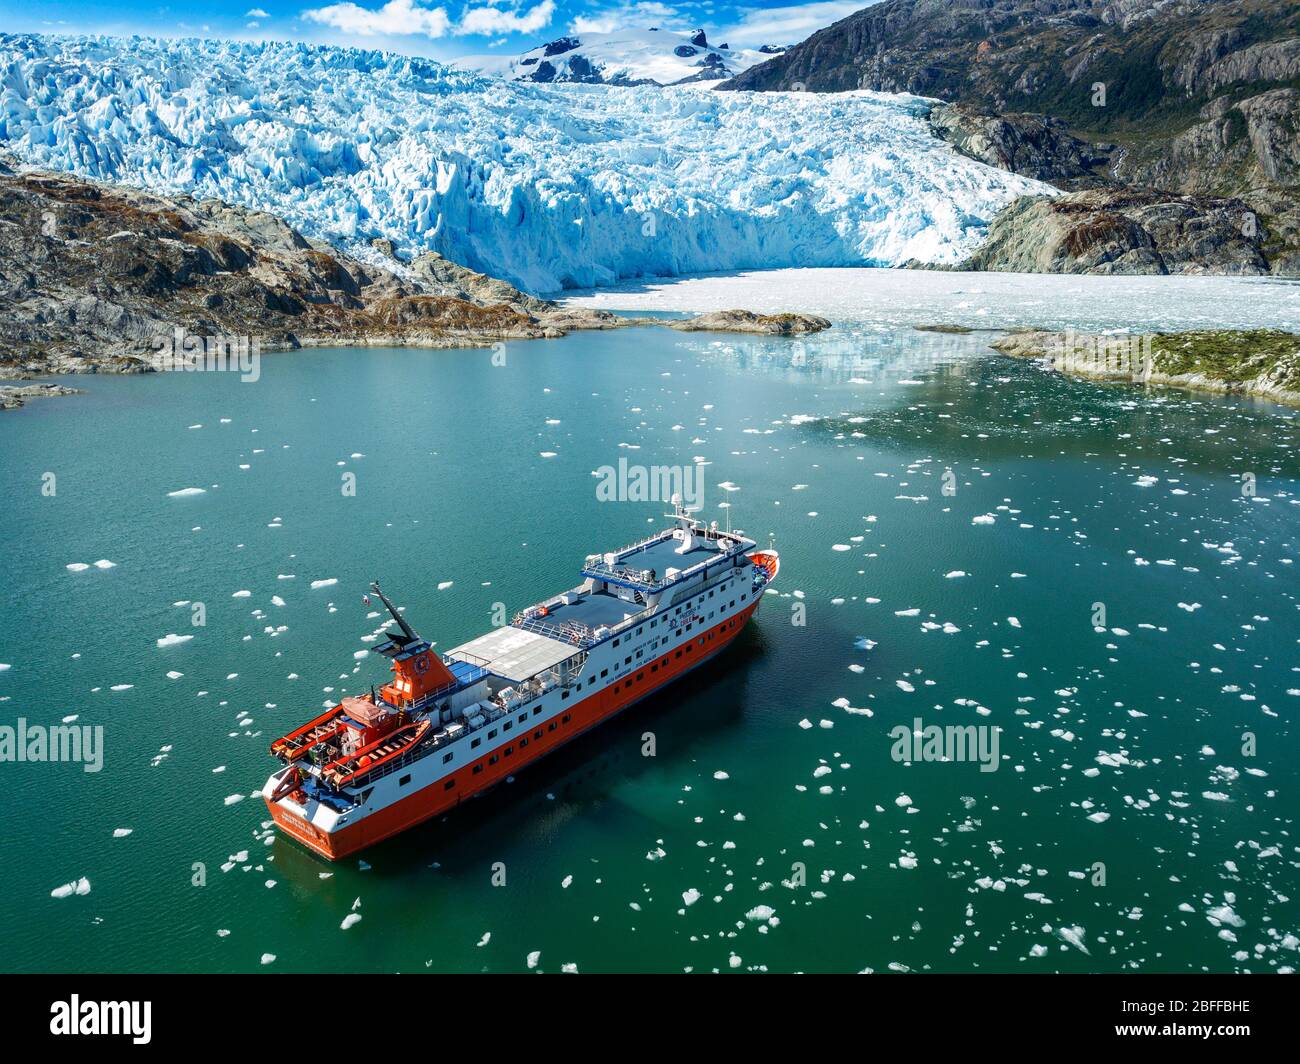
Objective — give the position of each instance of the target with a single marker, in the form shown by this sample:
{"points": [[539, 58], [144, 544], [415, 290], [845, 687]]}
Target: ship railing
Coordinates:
{"points": [[531, 690], [429, 697], [575, 632], [406, 760], [640, 577]]}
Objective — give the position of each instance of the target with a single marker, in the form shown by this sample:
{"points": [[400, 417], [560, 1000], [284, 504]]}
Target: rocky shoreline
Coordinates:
{"points": [[1170, 126], [98, 278], [1263, 363]]}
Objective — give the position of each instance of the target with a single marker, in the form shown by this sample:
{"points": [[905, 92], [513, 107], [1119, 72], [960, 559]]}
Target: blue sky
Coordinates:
{"points": [[440, 28]]}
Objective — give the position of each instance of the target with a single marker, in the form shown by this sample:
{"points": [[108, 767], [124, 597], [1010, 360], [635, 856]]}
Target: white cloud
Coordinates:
{"points": [[255, 12], [484, 20], [636, 16], [404, 18], [788, 25], [397, 17]]}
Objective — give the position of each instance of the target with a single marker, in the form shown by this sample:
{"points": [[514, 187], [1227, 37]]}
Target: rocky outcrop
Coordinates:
{"points": [[101, 278], [1113, 231], [746, 321], [441, 276], [1200, 97], [14, 396], [1036, 146], [98, 278], [1258, 362]]}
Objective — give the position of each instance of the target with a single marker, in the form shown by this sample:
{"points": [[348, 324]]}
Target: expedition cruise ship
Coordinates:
{"points": [[449, 726]]}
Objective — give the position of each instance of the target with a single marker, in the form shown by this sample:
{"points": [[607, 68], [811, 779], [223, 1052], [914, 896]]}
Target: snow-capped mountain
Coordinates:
{"points": [[625, 57], [545, 186]]}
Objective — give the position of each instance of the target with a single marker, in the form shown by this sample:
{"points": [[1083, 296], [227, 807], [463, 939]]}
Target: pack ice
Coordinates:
{"points": [[547, 186]]}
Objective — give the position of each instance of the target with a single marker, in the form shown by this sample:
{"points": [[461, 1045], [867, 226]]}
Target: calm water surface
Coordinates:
{"points": [[1158, 753]]}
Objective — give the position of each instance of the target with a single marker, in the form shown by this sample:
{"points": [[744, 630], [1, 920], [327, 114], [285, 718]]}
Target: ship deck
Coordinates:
{"points": [[515, 654], [662, 555], [595, 610]]}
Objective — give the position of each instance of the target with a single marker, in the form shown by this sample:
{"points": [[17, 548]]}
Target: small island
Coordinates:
{"points": [[1257, 362]]}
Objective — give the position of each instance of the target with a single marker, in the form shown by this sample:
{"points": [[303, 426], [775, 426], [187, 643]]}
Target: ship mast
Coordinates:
{"points": [[401, 622]]}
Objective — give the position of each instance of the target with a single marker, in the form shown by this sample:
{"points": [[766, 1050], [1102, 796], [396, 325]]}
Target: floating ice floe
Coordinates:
{"points": [[79, 887], [186, 491], [171, 639], [328, 582]]}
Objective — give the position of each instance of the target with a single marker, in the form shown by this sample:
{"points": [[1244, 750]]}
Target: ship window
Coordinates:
{"points": [[509, 750], [604, 673], [743, 597], [565, 719], [478, 768], [653, 623], [654, 667], [449, 785], [616, 642], [447, 757], [640, 676], [638, 631], [639, 653], [564, 694], [537, 711], [492, 734], [732, 604], [523, 742], [404, 780], [476, 742], [553, 726], [627, 661], [523, 717], [494, 759], [537, 734], [678, 654], [507, 725]]}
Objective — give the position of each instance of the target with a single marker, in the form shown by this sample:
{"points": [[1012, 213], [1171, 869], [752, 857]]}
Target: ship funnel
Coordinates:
{"points": [[417, 670]]}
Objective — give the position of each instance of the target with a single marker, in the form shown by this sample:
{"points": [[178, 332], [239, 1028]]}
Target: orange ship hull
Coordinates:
{"points": [[435, 798]]}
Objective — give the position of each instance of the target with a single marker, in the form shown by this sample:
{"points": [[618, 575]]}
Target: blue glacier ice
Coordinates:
{"points": [[547, 186]]}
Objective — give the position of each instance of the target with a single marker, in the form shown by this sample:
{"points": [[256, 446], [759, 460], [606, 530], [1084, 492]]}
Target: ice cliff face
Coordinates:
{"points": [[546, 186]]}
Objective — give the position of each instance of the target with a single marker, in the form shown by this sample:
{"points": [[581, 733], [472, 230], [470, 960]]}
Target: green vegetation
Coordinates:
{"points": [[1235, 357]]}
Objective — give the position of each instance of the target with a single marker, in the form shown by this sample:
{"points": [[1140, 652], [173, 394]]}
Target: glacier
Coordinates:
{"points": [[549, 187]]}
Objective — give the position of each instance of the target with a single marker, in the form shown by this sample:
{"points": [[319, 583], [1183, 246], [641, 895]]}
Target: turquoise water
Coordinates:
{"points": [[613, 860]]}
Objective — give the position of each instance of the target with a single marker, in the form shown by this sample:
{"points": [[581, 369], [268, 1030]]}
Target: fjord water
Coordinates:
{"points": [[1121, 751]]}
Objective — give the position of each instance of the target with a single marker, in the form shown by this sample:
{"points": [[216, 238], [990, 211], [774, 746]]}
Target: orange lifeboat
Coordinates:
{"points": [[298, 743], [347, 770], [767, 560]]}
